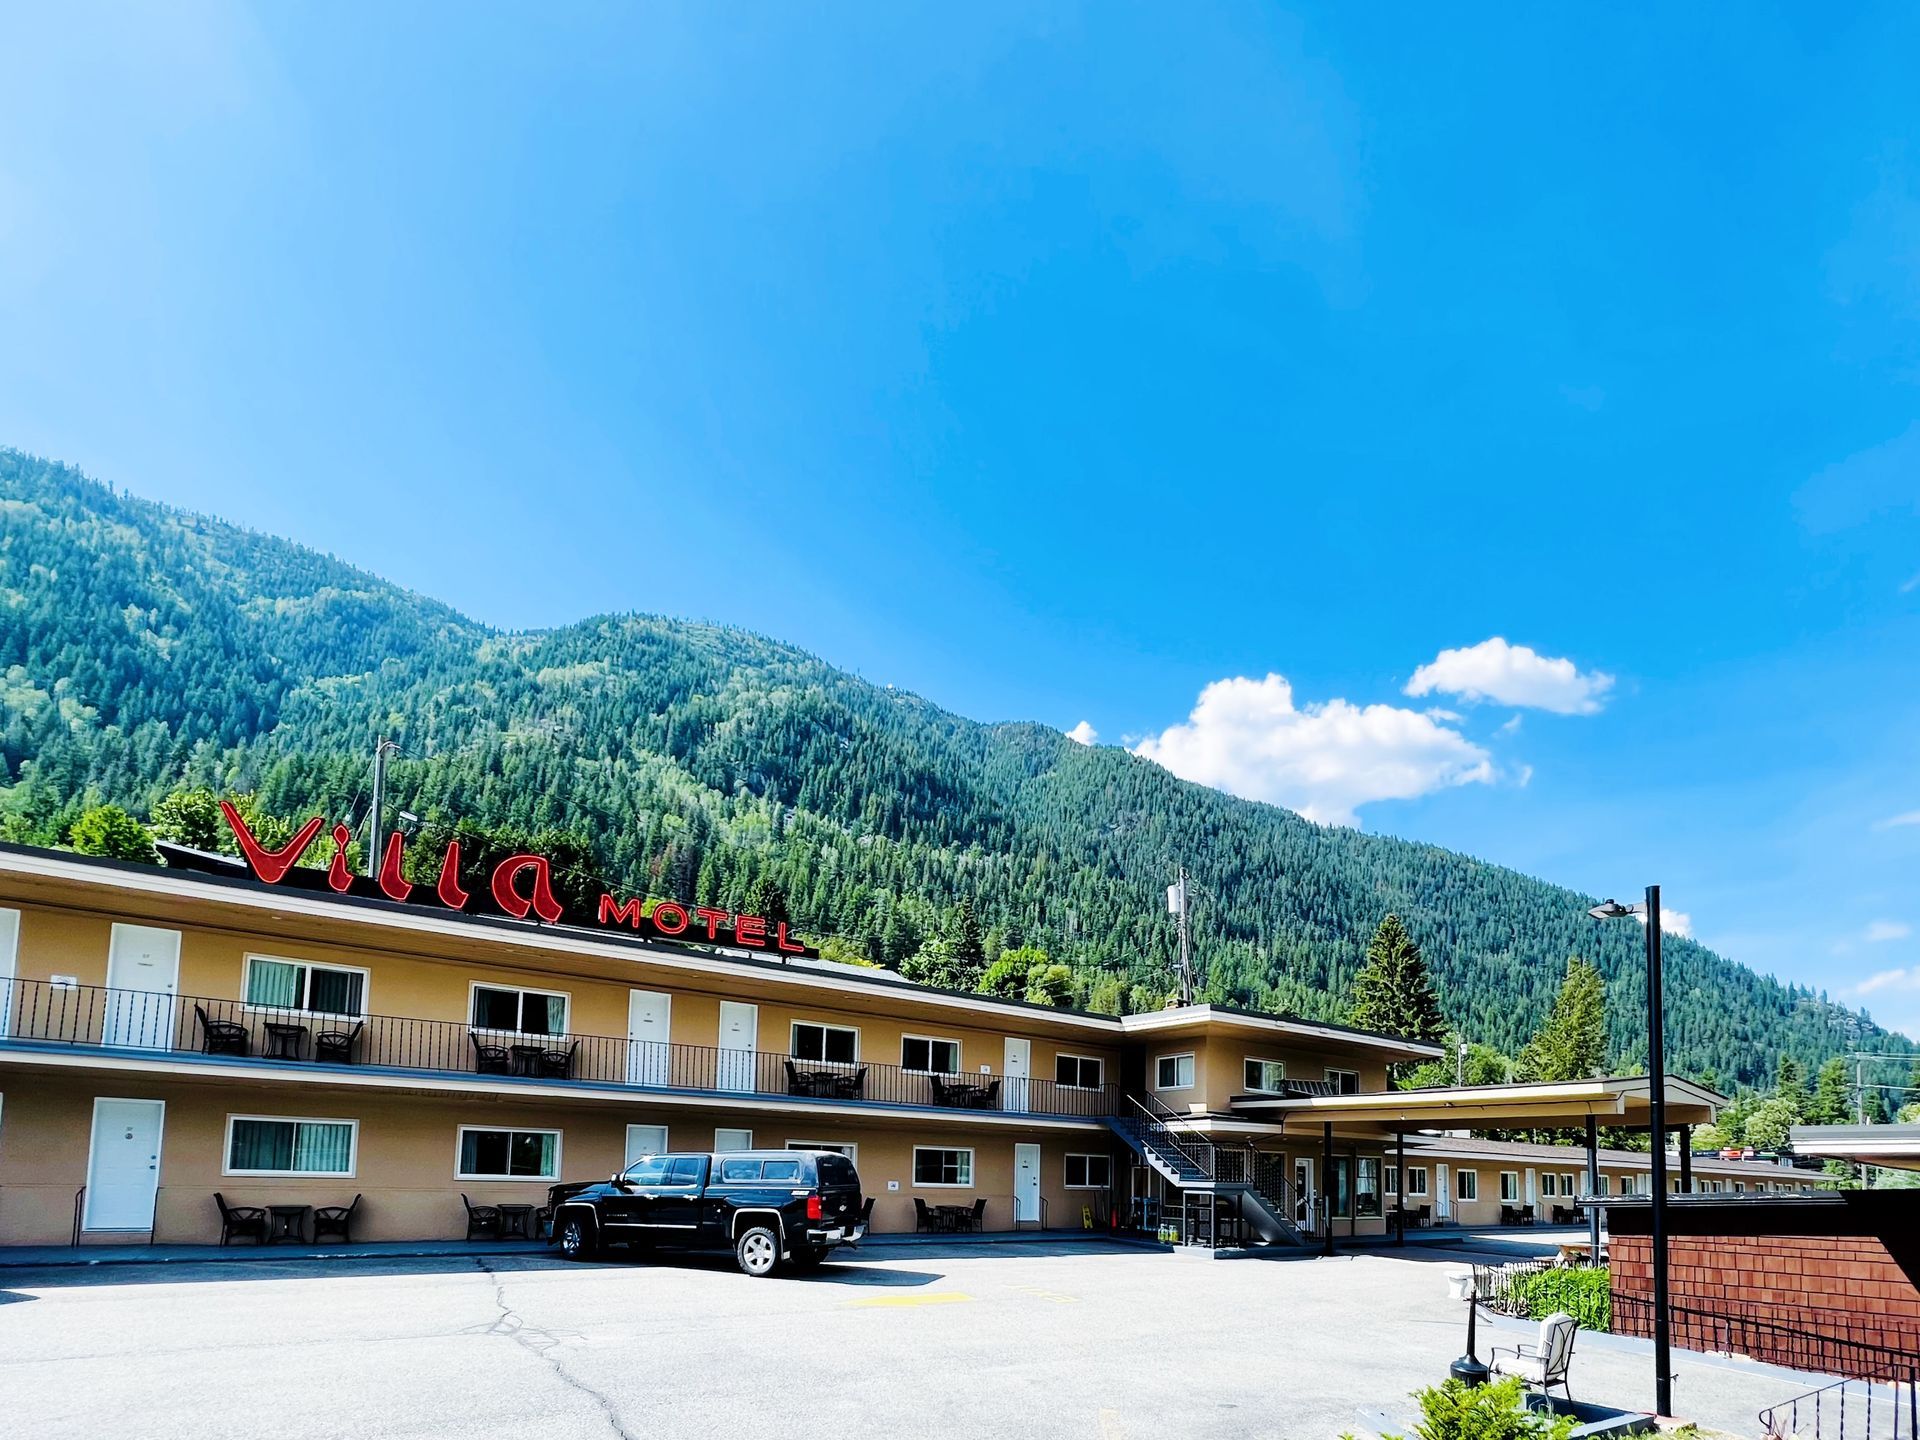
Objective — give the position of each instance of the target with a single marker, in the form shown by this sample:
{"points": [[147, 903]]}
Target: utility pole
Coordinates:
{"points": [[380, 749], [1177, 904]]}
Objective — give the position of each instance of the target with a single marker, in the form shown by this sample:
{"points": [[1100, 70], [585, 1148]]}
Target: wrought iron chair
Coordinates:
{"points": [[1544, 1363], [798, 1084], [221, 1037], [241, 1220], [490, 1059], [924, 1222], [558, 1064], [482, 1220], [336, 1046], [978, 1217], [984, 1097], [335, 1220]]}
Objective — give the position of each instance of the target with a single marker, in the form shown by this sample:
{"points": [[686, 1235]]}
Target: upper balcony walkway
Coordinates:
{"points": [[45, 1017]]}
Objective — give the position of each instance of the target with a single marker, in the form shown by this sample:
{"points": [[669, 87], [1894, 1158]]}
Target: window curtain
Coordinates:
{"points": [[337, 992], [261, 1145], [323, 1148], [272, 982], [556, 1014]]}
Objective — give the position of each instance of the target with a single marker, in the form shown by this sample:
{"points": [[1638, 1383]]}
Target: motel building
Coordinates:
{"points": [[297, 1038]]}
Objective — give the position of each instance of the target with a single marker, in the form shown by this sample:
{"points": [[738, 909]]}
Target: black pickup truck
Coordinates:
{"points": [[767, 1206]]}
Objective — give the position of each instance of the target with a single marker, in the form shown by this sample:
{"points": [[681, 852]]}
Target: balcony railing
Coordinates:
{"points": [[96, 1017]]}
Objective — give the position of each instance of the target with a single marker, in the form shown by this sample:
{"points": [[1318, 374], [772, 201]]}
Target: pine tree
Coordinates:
{"points": [[1572, 1044], [966, 948], [1392, 992], [1832, 1095], [767, 900], [1790, 1085]]}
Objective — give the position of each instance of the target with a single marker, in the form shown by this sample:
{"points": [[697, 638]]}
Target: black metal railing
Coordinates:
{"points": [[44, 1012], [1157, 1122], [1852, 1347], [1846, 1410]]}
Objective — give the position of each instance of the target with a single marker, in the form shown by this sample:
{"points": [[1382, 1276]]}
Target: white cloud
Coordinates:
{"points": [[1512, 675], [1084, 733], [1910, 584], [1881, 931], [1904, 978], [1325, 760], [1894, 822], [1512, 727], [1673, 922]]}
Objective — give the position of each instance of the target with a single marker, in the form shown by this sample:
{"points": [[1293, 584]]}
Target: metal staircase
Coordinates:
{"points": [[1202, 1170]]}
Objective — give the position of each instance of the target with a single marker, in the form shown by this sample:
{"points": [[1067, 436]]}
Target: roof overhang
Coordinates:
{"points": [[1895, 1147], [1623, 1102], [1185, 1020]]}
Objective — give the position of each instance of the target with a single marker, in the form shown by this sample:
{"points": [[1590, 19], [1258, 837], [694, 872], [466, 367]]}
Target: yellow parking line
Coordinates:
{"points": [[938, 1297]]}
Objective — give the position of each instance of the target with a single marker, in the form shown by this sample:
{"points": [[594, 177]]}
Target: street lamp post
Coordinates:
{"points": [[1657, 1117]]}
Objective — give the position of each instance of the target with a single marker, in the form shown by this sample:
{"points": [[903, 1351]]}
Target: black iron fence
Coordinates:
{"points": [[1846, 1410], [46, 1012]]}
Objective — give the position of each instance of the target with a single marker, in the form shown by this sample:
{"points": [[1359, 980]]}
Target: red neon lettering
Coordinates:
{"points": [[677, 925], [713, 919], [512, 901], [270, 865], [612, 912], [792, 947], [451, 895], [338, 875], [749, 930], [392, 881]]}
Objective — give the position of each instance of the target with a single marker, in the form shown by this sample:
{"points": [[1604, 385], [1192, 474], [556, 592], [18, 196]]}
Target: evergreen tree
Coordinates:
{"points": [[108, 830], [1790, 1086], [1572, 1044], [966, 945], [1832, 1095], [1392, 992], [767, 900]]}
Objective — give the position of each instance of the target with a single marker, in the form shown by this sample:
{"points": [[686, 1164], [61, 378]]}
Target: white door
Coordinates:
{"points": [[1026, 1182], [1303, 1194], [732, 1139], [143, 980], [739, 1039], [1019, 1058], [1443, 1193], [649, 1061], [645, 1140], [9, 952], [123, 1164]]}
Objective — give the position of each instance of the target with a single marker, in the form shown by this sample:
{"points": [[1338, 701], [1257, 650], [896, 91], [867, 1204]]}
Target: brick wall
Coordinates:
{"points": [[1842, 1286]]}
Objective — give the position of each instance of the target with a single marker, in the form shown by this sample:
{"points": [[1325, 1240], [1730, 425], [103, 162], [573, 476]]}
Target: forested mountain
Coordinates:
{"points": [[145, 648]]}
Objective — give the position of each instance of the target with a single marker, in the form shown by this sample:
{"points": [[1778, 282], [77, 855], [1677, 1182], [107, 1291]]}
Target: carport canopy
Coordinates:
{"points": [[1892, 1147], [1623, 1102]]}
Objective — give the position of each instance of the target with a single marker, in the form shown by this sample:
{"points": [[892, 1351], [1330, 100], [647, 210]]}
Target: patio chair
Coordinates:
{"points": [[1544, 1363], [490, 1059], [558, 1064], [866, 1211], [335, 1220], [798, 1084], [221, 1037], [985, 1097], [924, 1222], [850, 1087], [336, 1046], [482, 1220], [979, 1215], [1512, 1215], [241, 1220], [942, 1092]]}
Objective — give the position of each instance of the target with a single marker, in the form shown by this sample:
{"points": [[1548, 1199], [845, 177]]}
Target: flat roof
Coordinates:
{"points": [[242, 890], [1894, 1147], [1622, 1101]]}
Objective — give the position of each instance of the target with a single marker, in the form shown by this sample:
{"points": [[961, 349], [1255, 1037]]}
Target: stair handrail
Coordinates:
{"points": [[1190, 1147]]}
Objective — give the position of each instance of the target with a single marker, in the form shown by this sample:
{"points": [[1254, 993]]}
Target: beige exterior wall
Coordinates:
{"points": [[1220, 1057], [408, 1150]]}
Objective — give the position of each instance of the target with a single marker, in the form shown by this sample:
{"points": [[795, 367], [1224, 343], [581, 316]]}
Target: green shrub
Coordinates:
{"points": [[1453, 1411], [1582, 1293]]}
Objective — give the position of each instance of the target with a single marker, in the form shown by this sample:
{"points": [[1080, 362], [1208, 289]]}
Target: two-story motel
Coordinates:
{"points": [[168, 1034]]}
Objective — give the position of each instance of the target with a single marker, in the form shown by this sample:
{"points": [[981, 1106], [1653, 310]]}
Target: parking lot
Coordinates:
{"points": [[1058, 1338]]}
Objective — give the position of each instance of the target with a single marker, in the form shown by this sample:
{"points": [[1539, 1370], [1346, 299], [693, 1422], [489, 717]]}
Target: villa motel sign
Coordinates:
{"points": [[521, 885]]}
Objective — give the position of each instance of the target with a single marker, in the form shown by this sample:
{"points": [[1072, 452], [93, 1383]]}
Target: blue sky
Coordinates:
{"points": [[1060, 362]]}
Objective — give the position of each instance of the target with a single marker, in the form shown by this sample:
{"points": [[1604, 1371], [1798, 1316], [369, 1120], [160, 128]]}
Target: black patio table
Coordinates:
{"points": [[287, 1222], [528, 1059], [285, 1042]]}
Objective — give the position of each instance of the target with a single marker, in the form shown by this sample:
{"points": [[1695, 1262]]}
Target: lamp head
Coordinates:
{"points": [[1612, 910]]}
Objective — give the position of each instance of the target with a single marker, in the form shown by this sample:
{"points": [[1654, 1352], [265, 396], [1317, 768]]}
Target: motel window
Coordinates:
{"points": [[1080, 1072], [935, 1057], [1606, 1185], [837, 1147], [257, 1145], [487, 1154], [530, 1012], [1467, 1185], [1548, 1184], [1739, 1187], [1367, 1191], [1173, 1072], [833, 1044], [1509, 1186], [1393, 1179], [297, 985], [1416, 1179], [1344, 1082], [1089, 1172], [1566, 1184], [1264, 1075], [942, 1167], [733, 1139]]}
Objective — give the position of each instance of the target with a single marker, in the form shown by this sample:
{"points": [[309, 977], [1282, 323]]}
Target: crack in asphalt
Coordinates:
{"points": [[540, 1343]]}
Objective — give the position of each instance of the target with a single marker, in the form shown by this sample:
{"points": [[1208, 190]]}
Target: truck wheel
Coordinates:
{"points": [[758, 1250], [576, 1238]]}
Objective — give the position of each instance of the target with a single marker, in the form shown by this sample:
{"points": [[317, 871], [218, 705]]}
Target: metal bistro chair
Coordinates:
{"points": [[221, 1037], [558, 1064], [335, 1220], [974, 1221], [1544, 1363], [241, 1220], [924, 1222], [482, 1220], [336, 1046], [798, 1084], [489, 1059]]}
